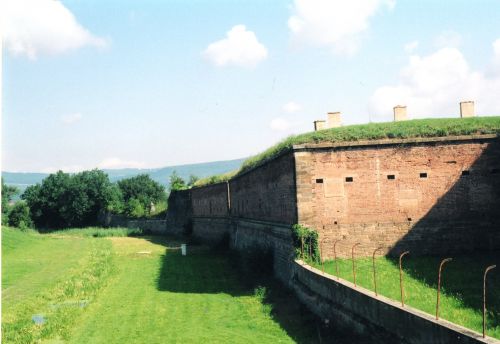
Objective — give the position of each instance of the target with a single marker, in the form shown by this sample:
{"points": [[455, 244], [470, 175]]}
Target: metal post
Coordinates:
{"points": [[353, 262], [321, 256], [310, 249], [335, 257], [439, 284], [302, 248], [491, 267], [374, 270], [401, 277]]}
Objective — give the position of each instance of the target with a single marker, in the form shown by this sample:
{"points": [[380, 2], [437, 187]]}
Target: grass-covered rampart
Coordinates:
{"points": [[418, 128]]}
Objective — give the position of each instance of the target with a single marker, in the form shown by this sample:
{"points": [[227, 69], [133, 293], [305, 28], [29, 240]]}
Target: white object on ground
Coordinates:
{"points": [[184, 249]]}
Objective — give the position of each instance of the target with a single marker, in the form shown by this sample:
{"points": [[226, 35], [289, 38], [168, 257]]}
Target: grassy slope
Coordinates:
{"points": [[436, 127], [462, 278], [163, 297]]}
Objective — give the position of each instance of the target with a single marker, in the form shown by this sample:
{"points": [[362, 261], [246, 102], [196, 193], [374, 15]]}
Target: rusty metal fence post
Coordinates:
{"points": [[335, 257], [439, 284], [374, 270], [491, 267], [321, 256], [302, 248], [401, 277], [353, 262]]}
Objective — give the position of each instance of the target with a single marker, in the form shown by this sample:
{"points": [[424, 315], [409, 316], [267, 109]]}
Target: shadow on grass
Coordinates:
{"points": [[207, 271], [461, 278]]}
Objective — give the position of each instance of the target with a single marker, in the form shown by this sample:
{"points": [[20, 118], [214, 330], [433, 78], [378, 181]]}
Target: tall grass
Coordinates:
{"points": [[99, 232]]}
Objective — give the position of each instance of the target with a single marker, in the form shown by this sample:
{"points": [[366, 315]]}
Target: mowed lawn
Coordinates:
{"points": [[141, 290]]}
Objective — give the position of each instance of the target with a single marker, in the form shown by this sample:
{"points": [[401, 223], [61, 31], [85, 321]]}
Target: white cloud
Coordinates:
{"points": [[280, 124], [42, 27], [113, 163], [336, 24], [411, 46], [240, 48], [71, 118], [435, 84], [448, 39], [291, 107]]}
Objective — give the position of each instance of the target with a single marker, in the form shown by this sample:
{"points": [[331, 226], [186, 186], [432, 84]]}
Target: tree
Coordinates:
{"points": [[7, 193], [176, 182], [141, 189], [19, 216], [64, 200]]}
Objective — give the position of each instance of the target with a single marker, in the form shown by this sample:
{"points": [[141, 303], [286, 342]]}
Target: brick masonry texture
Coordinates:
{"points": [[211, 200], [266, 193], [431, 198]]}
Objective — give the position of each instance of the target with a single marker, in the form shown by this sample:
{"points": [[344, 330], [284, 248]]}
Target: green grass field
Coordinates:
{"points": [[95, 289], [461, 285]]}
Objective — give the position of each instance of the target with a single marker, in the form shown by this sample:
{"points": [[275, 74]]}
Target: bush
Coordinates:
{"points": [[20, 217], [7, 193], [134, 208], [305, 242], [141, 190]]}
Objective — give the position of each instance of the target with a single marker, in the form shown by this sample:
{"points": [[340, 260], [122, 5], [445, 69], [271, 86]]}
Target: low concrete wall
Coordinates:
{"points": [[156, 226], [358, 309]]}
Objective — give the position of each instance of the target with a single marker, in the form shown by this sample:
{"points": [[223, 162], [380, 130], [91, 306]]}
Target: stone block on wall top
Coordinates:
{"points": [[467, 109], [334, 120], [400, 113]]}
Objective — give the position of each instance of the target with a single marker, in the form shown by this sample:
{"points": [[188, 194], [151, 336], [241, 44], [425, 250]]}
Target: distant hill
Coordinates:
{"points": [[24, 179]]}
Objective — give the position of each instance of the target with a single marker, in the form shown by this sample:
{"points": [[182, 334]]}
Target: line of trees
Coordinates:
{"points": [[65, 200]]}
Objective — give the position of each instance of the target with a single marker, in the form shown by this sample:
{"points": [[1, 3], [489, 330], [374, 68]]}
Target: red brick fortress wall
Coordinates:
{"points": [[433, 196], [266, 193]]}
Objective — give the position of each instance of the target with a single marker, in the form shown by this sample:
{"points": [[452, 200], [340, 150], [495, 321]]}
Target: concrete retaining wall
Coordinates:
{"points": [[357, 308]]}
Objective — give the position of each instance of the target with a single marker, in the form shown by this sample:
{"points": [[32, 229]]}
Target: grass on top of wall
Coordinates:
{"points": [[461, 285], [432, 127], [99, 232]]}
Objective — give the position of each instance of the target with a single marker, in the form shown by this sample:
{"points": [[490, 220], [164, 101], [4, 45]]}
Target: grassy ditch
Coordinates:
{"points": [[461, 285]]}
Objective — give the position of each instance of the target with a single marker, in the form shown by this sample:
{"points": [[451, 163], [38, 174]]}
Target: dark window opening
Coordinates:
{"points": [[335, 223], [391, 176], [465, 173], [423, 175], [319, 181], [349, 179], [409, 219], [495, 170]]}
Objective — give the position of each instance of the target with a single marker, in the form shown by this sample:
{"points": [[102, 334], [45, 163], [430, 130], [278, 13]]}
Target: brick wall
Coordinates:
{"points": [[179, 212], [437, 196], [266, 193], [211, 200]]}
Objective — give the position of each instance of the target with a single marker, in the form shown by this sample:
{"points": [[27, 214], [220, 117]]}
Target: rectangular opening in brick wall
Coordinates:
{"points": [[423, 175], [349, 179], [319, 181], [391, 176], [465, 173]]}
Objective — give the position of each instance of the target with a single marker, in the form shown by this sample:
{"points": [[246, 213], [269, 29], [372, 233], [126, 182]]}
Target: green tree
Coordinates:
{"points": [[142, 189], [20, 216], [134, 208], [7, 193], [176, 182], [64, 200]]}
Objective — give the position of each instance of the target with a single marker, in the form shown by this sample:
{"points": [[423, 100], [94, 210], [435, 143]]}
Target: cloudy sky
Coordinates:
{"points": [[115, 84]]}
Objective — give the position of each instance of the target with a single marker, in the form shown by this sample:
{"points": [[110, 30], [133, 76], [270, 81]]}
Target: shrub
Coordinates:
{"points": [[305, 242], [19, 216], [141, 189], [134, 208]]}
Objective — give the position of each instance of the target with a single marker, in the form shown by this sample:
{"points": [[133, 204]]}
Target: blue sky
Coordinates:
{"points": [[149, 84]]}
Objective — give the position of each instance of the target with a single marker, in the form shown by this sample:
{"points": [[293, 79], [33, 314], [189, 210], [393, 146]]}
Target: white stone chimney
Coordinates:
{"points": [[319, 125], [334, 120], [400, 113], [467, 109]]}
